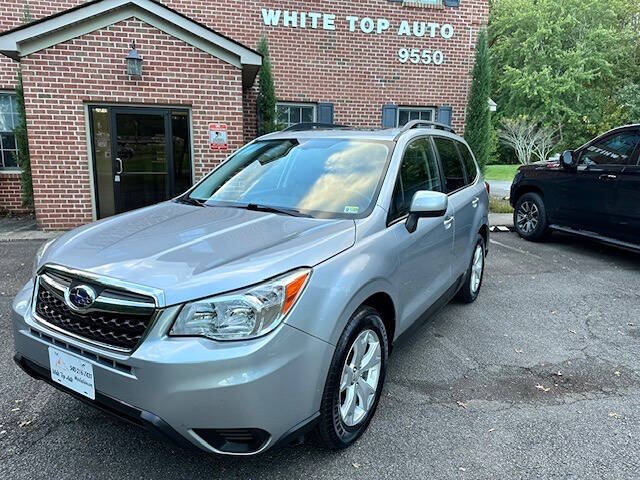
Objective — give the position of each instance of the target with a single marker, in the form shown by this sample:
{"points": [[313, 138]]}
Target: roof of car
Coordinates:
{"points": [[388, 134]]}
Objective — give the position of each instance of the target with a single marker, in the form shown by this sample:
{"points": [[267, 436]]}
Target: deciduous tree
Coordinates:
{"points": [[564, 63]]}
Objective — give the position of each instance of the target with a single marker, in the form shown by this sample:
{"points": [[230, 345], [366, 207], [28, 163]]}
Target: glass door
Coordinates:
{"points": [[142, 156], [141, 150]]}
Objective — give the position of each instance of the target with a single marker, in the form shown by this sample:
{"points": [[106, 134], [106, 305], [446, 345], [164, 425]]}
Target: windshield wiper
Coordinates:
{"points": [[267, 208], [192, 201]]}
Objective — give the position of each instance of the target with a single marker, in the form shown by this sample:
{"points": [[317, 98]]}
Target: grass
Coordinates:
{"points": [[501, 172], [498, 205]]}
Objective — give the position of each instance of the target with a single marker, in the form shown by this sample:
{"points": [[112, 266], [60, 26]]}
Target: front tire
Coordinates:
{"points": [[473, 278], [530, 217], [355, 380]]}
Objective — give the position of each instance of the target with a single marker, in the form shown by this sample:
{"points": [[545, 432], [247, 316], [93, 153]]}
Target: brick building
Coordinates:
{"points": [[103, 141]]}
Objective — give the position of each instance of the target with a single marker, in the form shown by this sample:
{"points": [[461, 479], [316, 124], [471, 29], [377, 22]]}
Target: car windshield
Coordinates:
{"points": [[334, 178]]}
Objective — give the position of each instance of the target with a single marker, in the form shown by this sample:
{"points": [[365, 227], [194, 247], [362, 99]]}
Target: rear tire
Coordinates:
{"points": [[473, 278], [530, 217], [350, 400]]}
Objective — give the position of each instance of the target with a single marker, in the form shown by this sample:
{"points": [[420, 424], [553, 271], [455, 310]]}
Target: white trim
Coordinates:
{"points": [[93, 16]]}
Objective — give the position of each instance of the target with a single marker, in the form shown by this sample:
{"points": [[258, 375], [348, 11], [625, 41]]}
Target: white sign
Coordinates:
{"points": [[367, 25]]}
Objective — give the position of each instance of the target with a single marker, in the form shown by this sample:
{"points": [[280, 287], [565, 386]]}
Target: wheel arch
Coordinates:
{"points": [[379, 294], [484, 233], [522, 189], [383, 303]]}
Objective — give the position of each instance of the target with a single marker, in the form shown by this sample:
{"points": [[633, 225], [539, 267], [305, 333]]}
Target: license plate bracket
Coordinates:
{"points": [[72, 372]]}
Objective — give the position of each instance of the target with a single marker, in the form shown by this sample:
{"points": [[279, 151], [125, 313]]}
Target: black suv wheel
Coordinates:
{"points": [[530, 217]]}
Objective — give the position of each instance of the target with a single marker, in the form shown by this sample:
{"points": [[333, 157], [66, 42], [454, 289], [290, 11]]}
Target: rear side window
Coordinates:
{"points": [[451, 165], [418, 171], [614, 150], [469, 164]]}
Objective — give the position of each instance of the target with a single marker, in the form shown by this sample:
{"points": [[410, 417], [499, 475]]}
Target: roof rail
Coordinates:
{"points": [[300, 127], [428, 123]]}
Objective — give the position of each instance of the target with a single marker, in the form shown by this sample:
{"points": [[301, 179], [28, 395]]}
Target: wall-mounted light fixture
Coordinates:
{"points": [[134, 62]]}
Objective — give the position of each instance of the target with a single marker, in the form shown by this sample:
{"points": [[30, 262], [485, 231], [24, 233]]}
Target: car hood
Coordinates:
{"points": [[191, 252], [541, 165]]}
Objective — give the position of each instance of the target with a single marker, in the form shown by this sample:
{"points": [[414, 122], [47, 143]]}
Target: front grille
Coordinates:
{"points": [[109, 327]]}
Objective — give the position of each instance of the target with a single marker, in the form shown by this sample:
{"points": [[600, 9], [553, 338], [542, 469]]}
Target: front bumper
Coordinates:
{"points": [[189, 389]]}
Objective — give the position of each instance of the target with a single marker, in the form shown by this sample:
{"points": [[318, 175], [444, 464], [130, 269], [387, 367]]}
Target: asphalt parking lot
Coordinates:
{"points": [[540, 378]]}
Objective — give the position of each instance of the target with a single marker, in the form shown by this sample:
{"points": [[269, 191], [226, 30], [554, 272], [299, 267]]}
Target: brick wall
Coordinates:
{"points": [[60, 80], [10, 193], [355, 71]]}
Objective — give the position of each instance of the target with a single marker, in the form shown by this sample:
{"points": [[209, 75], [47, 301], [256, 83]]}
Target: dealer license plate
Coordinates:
{"points": [[72, 372]]}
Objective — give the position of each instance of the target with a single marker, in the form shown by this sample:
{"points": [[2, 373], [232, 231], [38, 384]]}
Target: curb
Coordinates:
{"points": [[27, 235], [502, 228]]}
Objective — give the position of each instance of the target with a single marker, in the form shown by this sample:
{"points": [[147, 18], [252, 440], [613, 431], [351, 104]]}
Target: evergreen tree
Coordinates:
{"points": [[267, 94], [22, 144], [477, 132], [20, 131]]}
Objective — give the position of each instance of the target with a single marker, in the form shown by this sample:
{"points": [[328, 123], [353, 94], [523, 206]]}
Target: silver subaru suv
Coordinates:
{"points": [[261, 305]]}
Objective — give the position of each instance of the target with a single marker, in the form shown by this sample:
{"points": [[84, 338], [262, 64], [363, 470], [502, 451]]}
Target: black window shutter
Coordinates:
{"points": [[444, 115], [451, 3], [389, 116], [325, 113]]}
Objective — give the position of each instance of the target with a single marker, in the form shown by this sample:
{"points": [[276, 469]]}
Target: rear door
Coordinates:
{"points": [[463, 199], [627, 211], [596, 186]]}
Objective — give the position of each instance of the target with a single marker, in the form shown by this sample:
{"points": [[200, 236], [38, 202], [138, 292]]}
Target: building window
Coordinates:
{"points": [[406, 114], [9, 120], [292, 113]]}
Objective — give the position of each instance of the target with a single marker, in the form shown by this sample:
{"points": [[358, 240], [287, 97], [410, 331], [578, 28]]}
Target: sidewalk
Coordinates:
{"points": [[22, 228], [501, 220], [500, 188]]}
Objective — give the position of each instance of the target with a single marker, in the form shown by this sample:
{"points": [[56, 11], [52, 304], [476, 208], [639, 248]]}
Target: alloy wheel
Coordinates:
{"points": [[528, 217], [477, 267], [359, 380]]}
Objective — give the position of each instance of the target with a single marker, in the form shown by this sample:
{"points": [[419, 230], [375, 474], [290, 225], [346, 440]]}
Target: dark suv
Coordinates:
{"points": [[593, 191]]}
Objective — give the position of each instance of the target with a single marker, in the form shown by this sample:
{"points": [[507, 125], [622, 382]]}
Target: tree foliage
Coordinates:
{"points": [[22, 144], [565, 64], [267, 93], [477, 132]]}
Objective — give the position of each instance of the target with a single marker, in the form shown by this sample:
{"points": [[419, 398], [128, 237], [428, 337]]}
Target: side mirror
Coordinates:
{"points": [[569, 160], [426, 204]]}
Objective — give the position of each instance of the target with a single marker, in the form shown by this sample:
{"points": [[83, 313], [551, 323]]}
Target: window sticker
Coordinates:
{"points": [[350, 209]]}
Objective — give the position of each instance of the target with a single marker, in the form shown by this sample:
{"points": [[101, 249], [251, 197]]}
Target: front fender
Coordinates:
{"points": [[336, 289]]}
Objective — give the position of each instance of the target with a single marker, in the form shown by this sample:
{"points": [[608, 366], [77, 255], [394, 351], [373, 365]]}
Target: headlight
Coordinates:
{"points": [[243, 315], [40, 254]]}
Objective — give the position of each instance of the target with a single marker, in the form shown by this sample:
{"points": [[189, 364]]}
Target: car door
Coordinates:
{"points": [[627, 211], [463, 199], [593, 196], [424, 257]]}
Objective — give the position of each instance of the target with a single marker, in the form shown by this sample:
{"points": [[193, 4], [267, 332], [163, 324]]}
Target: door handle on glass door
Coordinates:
{"points": [[474, 202], [120, 166], [607, 176], [448, 221]]}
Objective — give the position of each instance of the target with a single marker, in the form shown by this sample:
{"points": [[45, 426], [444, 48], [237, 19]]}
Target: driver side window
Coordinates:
{"points": [[418, 171], [614, 150]]}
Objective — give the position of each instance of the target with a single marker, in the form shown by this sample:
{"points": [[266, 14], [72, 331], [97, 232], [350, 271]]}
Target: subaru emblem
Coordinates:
{"points": [[80, 297]]}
